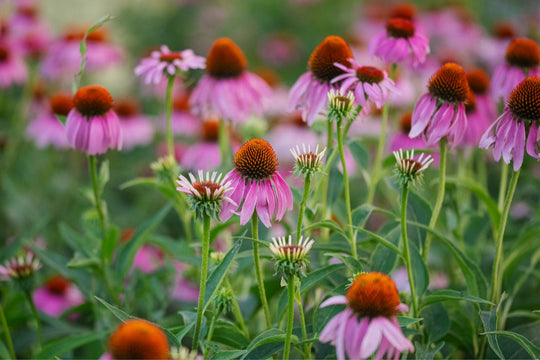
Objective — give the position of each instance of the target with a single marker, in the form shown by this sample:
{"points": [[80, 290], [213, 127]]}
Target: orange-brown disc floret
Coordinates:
{"points": [[201, 186], [373, 294], [523, 53], [504, 30], [331, 50], [405, 124], [61, 103], [478, 81], [127, 107], [93, 100], [57, 285], [225, 59], [256, 160], [170, 57], [524, 100], [369, 74], [138, 339], [77, 34], [210, 130], [449, 83], [400, 28], [404, 11], [181, 102]]}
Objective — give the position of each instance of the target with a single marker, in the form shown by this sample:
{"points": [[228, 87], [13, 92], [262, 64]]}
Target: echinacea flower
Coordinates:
{"points": [[204, 154], [227, 89], [291, 259], [480, 107], [257, 185], [137, 130], [518, 127], [369, 321], [522, 60], [138, 339], [306, 161], [341, 107], [12, 67], [164, 63], [57, 296], [400, 42], [46, 129], [441, 111], [20, 268], [92, 126], [367, 82], [410, 170], [309, 93], [207, 194]]}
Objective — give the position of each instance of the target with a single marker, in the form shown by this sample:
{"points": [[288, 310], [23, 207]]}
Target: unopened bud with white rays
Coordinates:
{"points": [[341, 106], [306, 161], [408, 169], [291, 259]]}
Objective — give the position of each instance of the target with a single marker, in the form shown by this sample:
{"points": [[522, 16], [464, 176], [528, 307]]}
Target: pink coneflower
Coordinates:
{"points": [[227, 89], [479, 83], [518, 127], [441, 111], [57, 296], [204, 154], [63, 59], [30, 33], [165, 62], [521, 61], [400, 42], [46, 129], [12, 67], [367, 82], [137, 130], [309, 93], [92, 126], [369, 321], [257, 184]]}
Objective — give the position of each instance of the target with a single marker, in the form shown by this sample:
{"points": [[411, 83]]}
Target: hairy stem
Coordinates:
{"points": [[290, 317], [204, 273], [258, 270], [406, 251]]}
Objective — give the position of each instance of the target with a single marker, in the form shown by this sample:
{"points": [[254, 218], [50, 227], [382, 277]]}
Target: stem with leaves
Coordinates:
{"points": [[498, 270], [204, 273], [440, 198], [258, 270]]}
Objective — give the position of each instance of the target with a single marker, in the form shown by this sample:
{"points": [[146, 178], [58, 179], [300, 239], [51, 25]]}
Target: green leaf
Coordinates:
{"points": [[362, 213], [61, 118], [405, 321], [228, 355], [228, 334], [420, 271], [322, 316], [125, 256], [482, 194], [445, 295], [57, 348], [76, 241], [360, 153], [110, 243], [436, 322], [335, 182], [168, 191], [216, 277], [380, 240], [489, 319], [79, 261], [103, 176], [383, 259], [189, 321], [426, 353], [270, 336], [528, 346], [123, 316], [329, 224]]}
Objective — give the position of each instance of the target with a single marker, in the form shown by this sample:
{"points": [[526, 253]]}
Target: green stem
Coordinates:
{"points": [[290, 318], [97, 195], [502, 185], [168, 112], [212, 325], [5, 327], [224, 147], [307, 346], [204, 273], [236, 308], [35, 315], [324, 182], [406, 251], [440, 198], [347, 191], [258, 270], [497, 273], [307, 184]]}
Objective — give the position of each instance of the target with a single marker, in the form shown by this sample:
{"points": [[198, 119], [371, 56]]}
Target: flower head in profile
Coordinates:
{"points": [[138, 339], [20, 268], [369, 321], [400, 42], [257, 185], [164, 63], [341, 107], [522, 60], [518, 128], [367, 82], [441, 111], [206, 194], [291, 259], [227, 89], [408, 169], [306, 162], [309, 93], [92, 126]]}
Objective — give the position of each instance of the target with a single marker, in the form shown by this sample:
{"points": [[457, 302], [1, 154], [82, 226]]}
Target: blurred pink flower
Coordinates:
{"points": [[46, 129], [184, 289], [57, 296], [12, 67], [137, 129]]}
